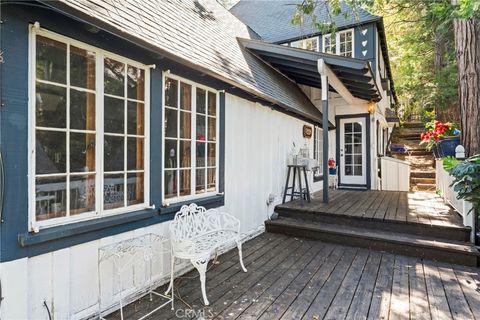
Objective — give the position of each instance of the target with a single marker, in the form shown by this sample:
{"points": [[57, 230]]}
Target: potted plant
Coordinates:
{"points": [[441, 137]]}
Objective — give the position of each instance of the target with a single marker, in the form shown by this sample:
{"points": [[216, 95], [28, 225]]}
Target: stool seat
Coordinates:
{"points": [[303, 193]]}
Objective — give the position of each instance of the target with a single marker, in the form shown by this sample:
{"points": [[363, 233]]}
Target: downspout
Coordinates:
{"points": [[324, 79]]}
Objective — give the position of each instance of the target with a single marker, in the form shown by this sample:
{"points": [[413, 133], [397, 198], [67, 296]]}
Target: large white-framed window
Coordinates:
{"points": [[88, 131], [341, 43], [190, 140], [311, 44]]}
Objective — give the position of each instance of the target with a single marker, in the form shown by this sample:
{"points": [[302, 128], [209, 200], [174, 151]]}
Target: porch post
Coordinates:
{"points": [[324, 78]]}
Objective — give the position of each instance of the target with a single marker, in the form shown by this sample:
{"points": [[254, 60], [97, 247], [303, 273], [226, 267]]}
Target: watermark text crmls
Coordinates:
{"points": [[201, 314]]}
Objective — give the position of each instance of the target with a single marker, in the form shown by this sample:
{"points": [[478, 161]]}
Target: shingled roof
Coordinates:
{"points": [[201, 34], [271, 18]]}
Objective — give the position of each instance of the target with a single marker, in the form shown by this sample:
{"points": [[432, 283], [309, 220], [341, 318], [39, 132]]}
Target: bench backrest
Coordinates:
{"points": [[192, 221]]}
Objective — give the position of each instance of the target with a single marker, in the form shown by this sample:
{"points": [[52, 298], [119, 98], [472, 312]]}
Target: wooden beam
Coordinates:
{"points": [[336, 83]]}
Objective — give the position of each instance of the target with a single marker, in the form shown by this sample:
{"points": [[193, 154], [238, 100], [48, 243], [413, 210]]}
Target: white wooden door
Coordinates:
{"points": [[353, 158]]}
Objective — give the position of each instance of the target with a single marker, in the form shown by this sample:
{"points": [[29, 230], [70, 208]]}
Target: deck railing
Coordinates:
{"points": [[464, 208]]}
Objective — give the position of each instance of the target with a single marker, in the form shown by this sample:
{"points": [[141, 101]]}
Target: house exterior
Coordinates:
{"points": [[360, 35], [115, 114]]}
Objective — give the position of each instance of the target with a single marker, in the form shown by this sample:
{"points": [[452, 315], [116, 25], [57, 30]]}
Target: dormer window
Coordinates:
{"points": [[341, 43], [307, 44]]}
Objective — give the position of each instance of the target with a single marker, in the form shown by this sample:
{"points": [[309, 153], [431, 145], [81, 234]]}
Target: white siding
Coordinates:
{"points": [[257, 143]]}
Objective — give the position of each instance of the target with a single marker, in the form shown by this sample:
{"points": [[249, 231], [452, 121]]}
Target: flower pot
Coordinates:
{"points": [[447, 145], [436, 151]]}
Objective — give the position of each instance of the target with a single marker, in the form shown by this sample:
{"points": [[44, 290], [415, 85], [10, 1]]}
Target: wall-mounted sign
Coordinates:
{"points": [[307, 131]]}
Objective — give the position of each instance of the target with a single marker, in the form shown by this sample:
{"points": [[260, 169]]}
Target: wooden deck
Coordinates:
{"points": [[291, 278], [412, 207]]}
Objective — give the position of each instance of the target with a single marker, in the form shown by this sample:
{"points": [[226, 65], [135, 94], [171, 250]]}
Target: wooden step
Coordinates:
{"points": [[416, 125], [454, 233], [425, 186], [423, 174], [420, 153], [424, 181], [410, 136], [423, 247]]}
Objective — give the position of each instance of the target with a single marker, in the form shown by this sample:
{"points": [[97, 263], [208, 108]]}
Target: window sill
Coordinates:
{"points": [[207, 202], [81, 232], [69, 230]]}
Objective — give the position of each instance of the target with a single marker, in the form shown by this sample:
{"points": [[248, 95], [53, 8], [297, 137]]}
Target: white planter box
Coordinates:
{"points": [[444, 180], [395, 174]]}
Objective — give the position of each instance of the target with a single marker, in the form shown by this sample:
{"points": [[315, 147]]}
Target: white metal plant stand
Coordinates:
{"points": [[125, 254], [196, 233]]}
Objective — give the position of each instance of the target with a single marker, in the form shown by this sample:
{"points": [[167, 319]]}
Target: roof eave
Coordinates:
{"points": [[92, 20]]}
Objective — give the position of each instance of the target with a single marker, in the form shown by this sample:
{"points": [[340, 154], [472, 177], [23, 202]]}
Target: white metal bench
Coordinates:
{"points": [[196, 233]]}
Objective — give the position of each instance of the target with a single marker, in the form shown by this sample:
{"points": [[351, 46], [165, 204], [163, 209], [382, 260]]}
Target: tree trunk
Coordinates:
{"points": [[467, 48]]}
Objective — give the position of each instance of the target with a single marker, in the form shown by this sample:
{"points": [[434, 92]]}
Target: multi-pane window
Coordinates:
{"points": [[318, 152], [345, 43], [124, 134], [329, 44], [190, 139], [308, 44], [89, 136], [340, 43]]}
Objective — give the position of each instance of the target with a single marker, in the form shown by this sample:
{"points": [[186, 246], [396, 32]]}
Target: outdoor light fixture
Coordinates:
{"points": [[371, 107]]}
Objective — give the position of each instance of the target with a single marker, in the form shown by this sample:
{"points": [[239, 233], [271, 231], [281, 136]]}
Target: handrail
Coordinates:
{"points": [[389, 141]]}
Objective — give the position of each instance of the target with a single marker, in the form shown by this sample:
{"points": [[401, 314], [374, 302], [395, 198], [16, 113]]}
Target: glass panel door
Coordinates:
{"points": [[352, 151]]}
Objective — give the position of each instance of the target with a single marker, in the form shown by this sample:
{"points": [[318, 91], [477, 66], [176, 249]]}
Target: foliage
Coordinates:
{"points": [[449, 163], [420, 42], [466, 175]]}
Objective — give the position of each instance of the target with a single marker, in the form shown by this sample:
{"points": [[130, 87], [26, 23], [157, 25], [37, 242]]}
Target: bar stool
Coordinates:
{"points": [[302, 193]]}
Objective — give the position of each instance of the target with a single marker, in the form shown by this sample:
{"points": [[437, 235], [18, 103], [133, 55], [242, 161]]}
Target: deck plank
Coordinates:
{"points": [[362, 210], [380, 304], [363, 295], [353, 210], [268, 261], [402, 210], [232, 303], [470, 285], [399, 304], [292, 278], [370, 212], [228, 265], [289, 286], [455, 297], [320, 305], [419, 308], [281, 302], [233, 275], [392, 206], [383, 207], [343, 298], [436, 294], [303, 301]]}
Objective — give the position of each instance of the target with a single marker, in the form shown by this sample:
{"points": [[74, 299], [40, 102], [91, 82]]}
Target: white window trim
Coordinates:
{"points": [[337, 41], [35, 225], [303, 41], [193, 167]]}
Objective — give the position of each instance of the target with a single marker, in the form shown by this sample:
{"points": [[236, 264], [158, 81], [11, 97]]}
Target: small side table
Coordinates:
{"points": [[302, 193]]}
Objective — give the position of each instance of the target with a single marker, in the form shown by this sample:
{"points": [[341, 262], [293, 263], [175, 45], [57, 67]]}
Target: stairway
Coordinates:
{"points": [[440, 242], [422, 162]]}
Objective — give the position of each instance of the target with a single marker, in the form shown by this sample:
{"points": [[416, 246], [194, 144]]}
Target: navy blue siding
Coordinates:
{"points": [[14, 133], [370, 46], [16, 242]]}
